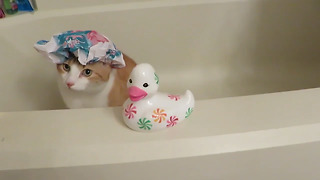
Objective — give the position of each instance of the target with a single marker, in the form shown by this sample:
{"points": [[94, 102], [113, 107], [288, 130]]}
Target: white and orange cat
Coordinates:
{"points": [[93, 85]]}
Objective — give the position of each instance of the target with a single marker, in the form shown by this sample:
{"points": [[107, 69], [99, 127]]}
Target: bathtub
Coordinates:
{"points": [[253, 66]]}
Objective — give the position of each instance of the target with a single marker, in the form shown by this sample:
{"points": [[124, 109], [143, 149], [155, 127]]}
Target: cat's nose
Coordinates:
{"points": [[70, 84]]}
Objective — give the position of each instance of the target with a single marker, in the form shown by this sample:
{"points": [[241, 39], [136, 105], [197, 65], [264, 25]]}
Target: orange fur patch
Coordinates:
{"points": [[119, 92]]}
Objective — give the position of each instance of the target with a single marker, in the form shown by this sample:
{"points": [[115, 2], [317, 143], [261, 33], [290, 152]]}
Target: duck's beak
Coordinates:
{"points": [[136, 93]]}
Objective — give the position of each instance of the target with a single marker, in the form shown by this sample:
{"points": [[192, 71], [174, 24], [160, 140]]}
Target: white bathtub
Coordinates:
{"points": [[242, 59]]}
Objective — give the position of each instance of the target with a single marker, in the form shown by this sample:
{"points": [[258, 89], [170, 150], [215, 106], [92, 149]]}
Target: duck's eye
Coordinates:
{"points": [[66, 67], [130, 80], [87, 72], [145, 85]]}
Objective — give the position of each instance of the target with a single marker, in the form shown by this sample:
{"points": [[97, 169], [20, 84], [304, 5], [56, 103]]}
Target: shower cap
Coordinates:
{"points": [[89, 46]]}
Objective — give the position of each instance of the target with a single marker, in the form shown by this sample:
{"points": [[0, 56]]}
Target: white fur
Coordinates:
{"points": [[84, 94]]}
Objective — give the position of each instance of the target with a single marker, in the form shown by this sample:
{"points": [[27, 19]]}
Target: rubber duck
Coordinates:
{"points": [[146, 109]]}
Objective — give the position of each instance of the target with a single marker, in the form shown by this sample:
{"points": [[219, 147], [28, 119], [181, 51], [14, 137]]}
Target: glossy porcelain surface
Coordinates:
{"points": [[146, 109], [252, 65]]}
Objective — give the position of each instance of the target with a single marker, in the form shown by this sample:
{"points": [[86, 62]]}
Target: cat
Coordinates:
{"points": [[93, 85]]}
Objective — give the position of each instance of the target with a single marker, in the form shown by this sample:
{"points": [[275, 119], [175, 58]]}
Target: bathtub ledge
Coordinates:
{"points": [[61, 138]]}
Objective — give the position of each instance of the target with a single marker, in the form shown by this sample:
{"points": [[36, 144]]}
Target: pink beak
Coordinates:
{"points": [[136, 93]]}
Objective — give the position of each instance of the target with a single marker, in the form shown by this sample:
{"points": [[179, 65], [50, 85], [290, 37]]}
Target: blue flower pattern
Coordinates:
{"points": [[74, 41], [112, 54]]}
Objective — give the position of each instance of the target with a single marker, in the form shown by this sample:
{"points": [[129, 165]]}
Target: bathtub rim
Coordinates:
{"points": [[207, 145]]}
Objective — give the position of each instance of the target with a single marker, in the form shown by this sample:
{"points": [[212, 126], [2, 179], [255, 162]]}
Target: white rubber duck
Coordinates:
{"points": [[146, 109]]}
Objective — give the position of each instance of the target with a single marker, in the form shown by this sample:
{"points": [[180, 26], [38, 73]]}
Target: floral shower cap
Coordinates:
{"points": [[89, 46]]}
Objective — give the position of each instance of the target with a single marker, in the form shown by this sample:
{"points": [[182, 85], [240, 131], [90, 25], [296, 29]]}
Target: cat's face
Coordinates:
{"points": [[84, 78]]}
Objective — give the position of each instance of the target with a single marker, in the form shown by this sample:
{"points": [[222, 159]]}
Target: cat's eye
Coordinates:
{"points": [[145, 85], [87, 72], [66, 67], [130, 80]]}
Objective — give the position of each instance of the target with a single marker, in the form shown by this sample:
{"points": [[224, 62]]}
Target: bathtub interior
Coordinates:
{"points": [[237, 48], [215, 49]]}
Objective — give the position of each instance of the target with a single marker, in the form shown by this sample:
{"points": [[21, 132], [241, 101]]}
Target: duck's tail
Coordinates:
{"points": [[188, 96], [189, 102]]}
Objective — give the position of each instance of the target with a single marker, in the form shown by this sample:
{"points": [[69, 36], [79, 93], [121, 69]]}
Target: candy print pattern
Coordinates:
{"points": [[144, 124], [188, 113], [173, 121], [159, 115], [130, 111], [174, 97], [156, 78]]}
